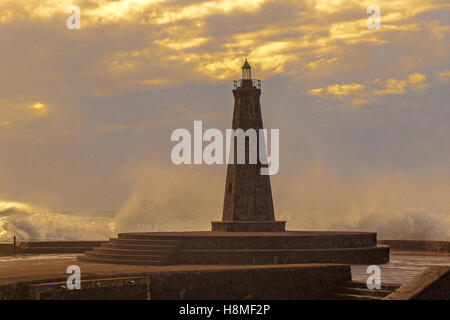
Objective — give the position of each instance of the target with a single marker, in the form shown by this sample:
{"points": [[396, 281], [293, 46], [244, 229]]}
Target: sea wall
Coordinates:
{"points": [[254, 282], [417, 245], [47, 247]]}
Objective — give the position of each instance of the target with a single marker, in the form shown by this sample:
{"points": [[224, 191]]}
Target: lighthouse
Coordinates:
{"points": [[248, 203]]}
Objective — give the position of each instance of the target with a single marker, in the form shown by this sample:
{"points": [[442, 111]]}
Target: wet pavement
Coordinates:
{"points": [[401, 268]]}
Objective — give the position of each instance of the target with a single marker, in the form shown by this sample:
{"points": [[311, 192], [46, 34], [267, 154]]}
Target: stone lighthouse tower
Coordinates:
{"points": [[248, 204]]}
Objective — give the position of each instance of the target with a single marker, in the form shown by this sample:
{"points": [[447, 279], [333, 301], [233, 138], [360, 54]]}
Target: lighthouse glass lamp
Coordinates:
{"points": [[246, 71], [246, 79]]}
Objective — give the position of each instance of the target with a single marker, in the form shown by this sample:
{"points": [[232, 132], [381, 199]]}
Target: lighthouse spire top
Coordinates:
{"points": [[247, 80], [246, 71]]}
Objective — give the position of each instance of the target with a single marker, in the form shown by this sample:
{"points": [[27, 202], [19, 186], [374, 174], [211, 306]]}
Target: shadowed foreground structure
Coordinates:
{"points": [[44, 277], [100, 281]]}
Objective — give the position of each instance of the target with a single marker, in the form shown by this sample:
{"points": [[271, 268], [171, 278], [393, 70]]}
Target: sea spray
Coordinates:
{"points": [[173, 199], [30, 223], [317, 198]]}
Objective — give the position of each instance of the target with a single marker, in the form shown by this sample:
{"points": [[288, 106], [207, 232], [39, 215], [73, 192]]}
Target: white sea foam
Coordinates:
{"points": [[187, 199], [172, 199], [30, 223]]}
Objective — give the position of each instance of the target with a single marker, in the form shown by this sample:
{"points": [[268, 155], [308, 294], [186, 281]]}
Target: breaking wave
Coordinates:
{"points": [[396, 206], [316, 198], [31, 223], [180, 199]]}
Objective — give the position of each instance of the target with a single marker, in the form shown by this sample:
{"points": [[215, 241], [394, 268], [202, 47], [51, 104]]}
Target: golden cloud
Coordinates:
{"points": [[317, 92], [443, 76], [181, 44], [208, 8], [322, 63], [359, 102], [363, 94], [342, 90], [415, 82], [186, 34], [339, 90], [138, 11], [16, 112]]}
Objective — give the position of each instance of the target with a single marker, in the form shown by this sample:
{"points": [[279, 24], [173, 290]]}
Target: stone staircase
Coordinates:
{"points": [[133, 252], [239, 248], [353, 290]]}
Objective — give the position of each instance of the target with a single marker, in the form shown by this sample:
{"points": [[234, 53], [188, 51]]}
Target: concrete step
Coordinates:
{"points": [[98, 255], [225, 248], [354, 290], [347, 296], [278, 250], [147, 236], [144, 242], [365, 292], [125, 262], [145, 247], [152, 251], [269, 240], [363, 285]]}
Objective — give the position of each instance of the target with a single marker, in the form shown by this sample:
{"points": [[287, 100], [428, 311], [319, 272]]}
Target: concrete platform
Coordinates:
{"points": [[45, 278], [240, 248], [45, 275]]}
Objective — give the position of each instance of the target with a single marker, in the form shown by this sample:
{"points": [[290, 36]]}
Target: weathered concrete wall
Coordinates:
{"points": [[432, 284], [254, 283], [375, 255], [127, 288], [286, 240], [48, 247], [417, 245], [258, 282], [6, 248], [16, 291]]}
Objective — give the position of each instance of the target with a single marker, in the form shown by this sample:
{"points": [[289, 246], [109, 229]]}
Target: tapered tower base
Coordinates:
{"points": [[248, 226]]}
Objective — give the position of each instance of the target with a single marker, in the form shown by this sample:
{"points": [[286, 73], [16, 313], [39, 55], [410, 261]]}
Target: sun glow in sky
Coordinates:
{"points": [[39, 108], [113, 91]]}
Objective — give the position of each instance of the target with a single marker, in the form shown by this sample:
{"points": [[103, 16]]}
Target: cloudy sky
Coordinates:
{"points": [[81, 111]]}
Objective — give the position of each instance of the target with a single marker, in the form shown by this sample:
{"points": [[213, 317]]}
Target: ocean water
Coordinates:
{"points": [[31, 223], [169, 208]]}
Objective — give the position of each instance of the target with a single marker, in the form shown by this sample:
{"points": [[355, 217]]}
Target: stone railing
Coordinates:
{"points": [[255, 82]]}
